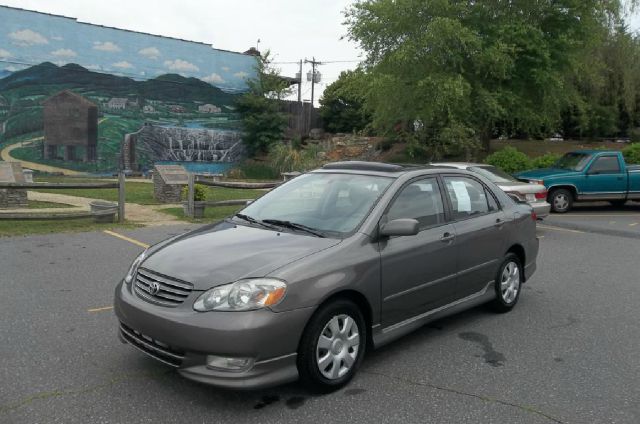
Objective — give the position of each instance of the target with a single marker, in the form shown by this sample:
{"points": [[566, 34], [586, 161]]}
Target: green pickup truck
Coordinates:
{"points": [[587, 175]]}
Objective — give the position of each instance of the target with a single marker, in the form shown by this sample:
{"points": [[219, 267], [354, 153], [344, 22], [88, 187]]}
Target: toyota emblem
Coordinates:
{"points": [[154, 288]]}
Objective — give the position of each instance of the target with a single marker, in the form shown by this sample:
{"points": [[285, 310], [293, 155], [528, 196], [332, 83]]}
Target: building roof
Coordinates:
{"points": [[69, 93]]}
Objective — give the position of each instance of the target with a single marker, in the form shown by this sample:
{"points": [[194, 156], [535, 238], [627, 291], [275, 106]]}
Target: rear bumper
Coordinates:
{"points": [[182, 338], [541, 209]]}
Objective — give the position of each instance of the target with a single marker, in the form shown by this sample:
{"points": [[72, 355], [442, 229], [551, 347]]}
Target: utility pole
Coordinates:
{"points": [[314, 77], [300, 104], [300, 83]]}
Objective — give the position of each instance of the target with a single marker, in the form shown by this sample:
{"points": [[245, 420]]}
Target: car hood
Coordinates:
{"points": [[538, 174], [226, 252]]}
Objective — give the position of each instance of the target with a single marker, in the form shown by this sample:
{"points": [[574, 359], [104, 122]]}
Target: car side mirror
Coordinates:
{"points": [[400, 227]]}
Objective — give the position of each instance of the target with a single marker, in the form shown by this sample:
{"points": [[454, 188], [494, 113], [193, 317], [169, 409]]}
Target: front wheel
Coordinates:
{"points": [[508, 284], [332, 346], [561, 200]]}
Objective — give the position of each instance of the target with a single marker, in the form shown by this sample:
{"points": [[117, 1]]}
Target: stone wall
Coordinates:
{"points": [[340, 147], [12, 198], [166, 193]]}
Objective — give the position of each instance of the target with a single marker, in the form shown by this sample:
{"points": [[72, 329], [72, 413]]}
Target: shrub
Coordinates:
{"points": [[199, 193], [287, 159], [632, 153], [509, 159], [545, 161]]}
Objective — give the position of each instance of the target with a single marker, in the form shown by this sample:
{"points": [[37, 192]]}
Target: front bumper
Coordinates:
{"points": [[182, 338]]}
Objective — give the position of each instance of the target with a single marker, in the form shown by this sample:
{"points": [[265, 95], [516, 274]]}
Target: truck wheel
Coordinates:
{"points": [[561, 200], [332, 346]]}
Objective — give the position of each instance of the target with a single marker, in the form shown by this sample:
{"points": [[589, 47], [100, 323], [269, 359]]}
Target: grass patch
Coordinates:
{"points": [[9, 228], [136, 192], [142, 193], [39, 204], [211, 214]]}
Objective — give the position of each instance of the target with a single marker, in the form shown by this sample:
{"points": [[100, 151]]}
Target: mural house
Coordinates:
{"points": [[70, 122], [94, 98]]}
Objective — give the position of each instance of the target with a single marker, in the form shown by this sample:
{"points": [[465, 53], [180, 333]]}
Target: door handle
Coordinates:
{"points": [[447, 237], [499, 223]]}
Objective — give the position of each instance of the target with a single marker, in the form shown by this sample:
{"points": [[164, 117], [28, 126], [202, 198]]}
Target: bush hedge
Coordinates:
{"points": [[632, 153], [510, 160], [545, 161]]}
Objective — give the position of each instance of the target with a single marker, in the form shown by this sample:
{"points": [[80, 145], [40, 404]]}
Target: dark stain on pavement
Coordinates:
{"points": [[266, 401], [295, 402], [491, 356], [558, 359]]}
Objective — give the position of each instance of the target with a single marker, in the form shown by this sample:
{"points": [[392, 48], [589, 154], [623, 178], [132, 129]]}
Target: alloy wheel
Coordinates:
{"points": [[337, 347], [510, 282]]}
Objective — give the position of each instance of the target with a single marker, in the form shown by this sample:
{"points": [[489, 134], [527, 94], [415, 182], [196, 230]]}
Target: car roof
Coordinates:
{"points": [[394, 170]]}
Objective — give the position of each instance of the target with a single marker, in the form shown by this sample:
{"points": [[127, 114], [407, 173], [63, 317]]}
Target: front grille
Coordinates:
{"points": [[154, 348], [161, 289]]}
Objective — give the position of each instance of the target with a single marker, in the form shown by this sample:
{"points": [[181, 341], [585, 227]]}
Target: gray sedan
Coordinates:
{"points": [[533, 194], [306, 279]]}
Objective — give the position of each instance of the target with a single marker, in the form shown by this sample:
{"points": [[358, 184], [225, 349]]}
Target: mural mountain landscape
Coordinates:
{"points": [[47, 78]]}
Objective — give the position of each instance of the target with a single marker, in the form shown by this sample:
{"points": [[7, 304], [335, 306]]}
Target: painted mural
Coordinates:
{"points": [[77, 95]]}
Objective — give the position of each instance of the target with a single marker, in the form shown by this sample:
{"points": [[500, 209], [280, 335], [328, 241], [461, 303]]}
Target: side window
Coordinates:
{"points": [[468, 197], [420, 200], [605, 165]]}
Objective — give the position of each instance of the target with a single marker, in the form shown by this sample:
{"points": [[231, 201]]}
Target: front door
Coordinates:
{"points": [[418, 272], [605, 179]]}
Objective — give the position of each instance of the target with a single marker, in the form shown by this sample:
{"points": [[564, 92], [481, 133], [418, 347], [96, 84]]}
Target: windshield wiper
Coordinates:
{"points": [[252, 220], [295, 226]]}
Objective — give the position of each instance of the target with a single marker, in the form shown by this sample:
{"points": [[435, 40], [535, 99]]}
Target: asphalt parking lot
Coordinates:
{"points": [[601, 218], [568, 353]]}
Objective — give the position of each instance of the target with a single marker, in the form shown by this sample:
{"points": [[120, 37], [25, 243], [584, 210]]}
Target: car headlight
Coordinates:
{"points": [[243, 295], [134, 267]]}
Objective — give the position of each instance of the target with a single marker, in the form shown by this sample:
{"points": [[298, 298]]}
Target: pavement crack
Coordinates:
{"points": [[60, 393], [525, 408]]}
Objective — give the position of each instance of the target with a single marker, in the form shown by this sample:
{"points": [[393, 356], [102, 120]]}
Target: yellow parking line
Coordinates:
{"points": [[547, 227], [633, 224], [130, 240], [104, 308]]}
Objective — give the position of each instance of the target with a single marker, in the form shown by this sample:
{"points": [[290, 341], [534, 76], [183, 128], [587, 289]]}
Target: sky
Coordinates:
{"points": [[291, 29]]}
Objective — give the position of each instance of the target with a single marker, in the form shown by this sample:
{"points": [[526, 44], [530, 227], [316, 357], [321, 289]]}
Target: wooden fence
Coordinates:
{"points": [[120, 185]]}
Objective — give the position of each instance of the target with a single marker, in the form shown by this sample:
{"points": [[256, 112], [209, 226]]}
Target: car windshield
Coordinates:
{"points": [[325, 202], [573, 161], [493, 174]]}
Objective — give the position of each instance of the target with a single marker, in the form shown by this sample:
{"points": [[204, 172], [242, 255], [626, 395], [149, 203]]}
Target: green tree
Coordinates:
{"points": [[342, 104], [260, 107], [475, 66]]}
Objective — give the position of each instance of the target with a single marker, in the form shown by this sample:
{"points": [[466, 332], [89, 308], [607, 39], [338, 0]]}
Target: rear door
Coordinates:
{"points": [[606, 178], [480, 227], [418, 272]]}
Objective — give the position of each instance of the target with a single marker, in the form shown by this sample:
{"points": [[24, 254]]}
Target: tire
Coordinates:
{"points": [[561, 200], [344, 354], [617, 203], [508, 284]]}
